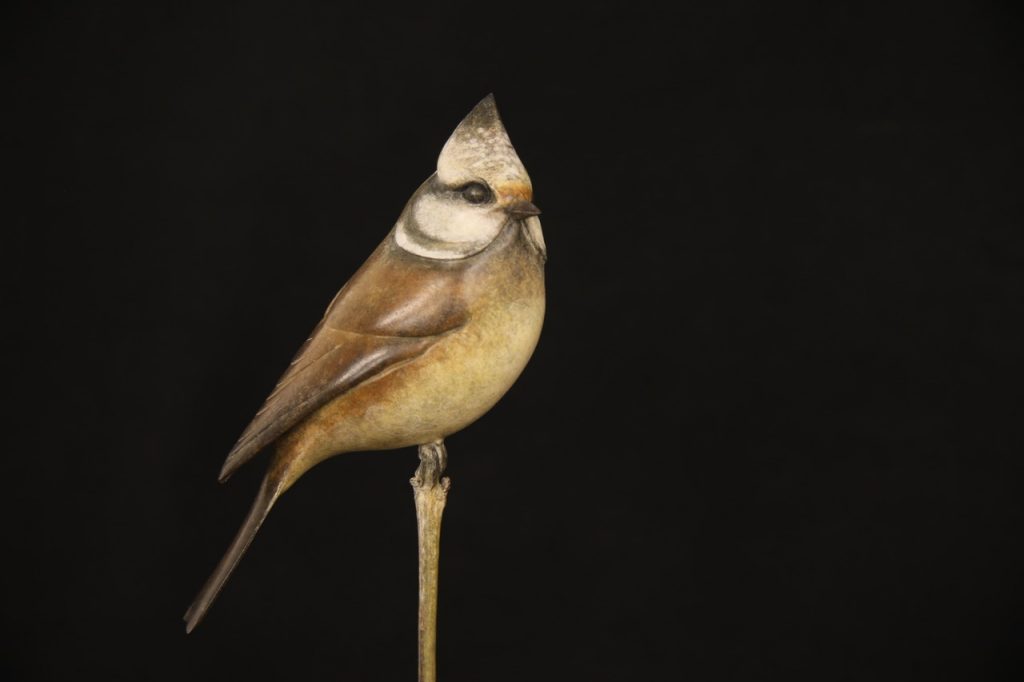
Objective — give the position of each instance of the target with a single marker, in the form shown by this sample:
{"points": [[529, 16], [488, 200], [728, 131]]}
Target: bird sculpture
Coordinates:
{"points": [[425, 338]]}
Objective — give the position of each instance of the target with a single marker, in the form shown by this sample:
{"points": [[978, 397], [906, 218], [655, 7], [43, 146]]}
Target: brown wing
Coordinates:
{"points": [[392, 310]]}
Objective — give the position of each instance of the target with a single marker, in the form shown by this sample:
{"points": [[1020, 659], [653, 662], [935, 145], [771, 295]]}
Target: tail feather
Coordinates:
{"points": [[265, 499]]}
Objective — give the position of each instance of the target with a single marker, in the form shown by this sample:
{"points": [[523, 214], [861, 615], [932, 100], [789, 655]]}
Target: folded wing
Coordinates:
{"points": [[391, 311]]}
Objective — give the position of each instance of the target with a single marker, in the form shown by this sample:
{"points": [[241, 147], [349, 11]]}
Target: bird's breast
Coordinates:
{"points": [[453, 383]]}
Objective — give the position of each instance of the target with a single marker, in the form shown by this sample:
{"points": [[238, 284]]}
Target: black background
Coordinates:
{"points": [[771, 431]]}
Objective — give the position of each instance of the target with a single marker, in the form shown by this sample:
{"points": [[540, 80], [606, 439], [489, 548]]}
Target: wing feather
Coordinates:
{"points": [[392, 310]]}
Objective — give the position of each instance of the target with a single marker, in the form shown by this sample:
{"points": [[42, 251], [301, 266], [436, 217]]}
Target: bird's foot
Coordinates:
{"points": [[433, 460]]}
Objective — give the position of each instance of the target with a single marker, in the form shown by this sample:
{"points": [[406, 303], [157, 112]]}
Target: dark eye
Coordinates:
{"points": [[476, 193]]}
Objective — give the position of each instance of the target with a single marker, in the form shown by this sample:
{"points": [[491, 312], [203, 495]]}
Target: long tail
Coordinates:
{"points": [[265, 499]]}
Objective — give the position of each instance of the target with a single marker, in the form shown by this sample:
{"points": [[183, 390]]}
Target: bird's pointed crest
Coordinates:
{"points": [[479, 149]]}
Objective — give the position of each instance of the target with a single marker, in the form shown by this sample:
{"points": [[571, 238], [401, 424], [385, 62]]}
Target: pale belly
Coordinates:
{"points": [[428, 398]]}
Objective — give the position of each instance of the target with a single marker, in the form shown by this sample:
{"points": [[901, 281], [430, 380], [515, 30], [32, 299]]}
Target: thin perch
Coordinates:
{"points": [[430, 492]]}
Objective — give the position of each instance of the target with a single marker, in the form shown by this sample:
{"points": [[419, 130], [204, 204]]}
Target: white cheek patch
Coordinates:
{"points": [[442, 229], [447, 221]]}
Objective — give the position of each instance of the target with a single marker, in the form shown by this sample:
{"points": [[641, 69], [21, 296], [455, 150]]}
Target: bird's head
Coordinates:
{"points": [[480, 185]]}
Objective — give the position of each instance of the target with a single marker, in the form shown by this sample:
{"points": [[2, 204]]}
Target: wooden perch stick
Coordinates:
{"points": [[430, 491]]}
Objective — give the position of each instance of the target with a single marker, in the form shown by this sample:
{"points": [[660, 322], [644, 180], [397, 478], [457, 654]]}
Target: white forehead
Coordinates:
{"points": [[479, 148]]}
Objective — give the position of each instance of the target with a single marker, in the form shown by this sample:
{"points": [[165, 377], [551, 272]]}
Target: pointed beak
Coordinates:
{"points": [[522, 209]]}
